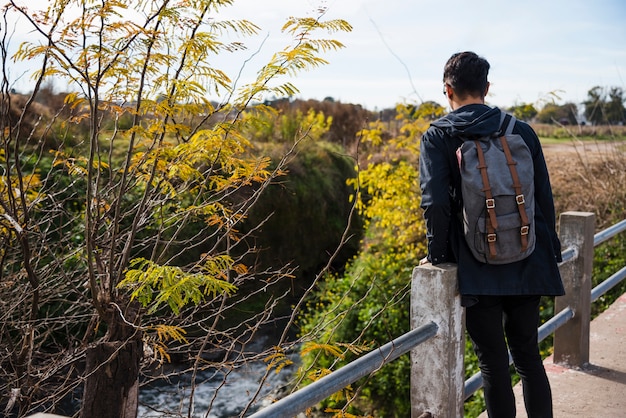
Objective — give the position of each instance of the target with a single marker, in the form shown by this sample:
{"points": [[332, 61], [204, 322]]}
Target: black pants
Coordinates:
{"points": [[516, 317]]}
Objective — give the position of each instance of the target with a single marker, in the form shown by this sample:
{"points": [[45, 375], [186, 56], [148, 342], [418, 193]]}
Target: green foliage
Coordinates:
{"points": [[605, 106], [614, 110], [428, 111], [608, 259], [153, 285], [566, 114], [524, 111], [475, 404], [369, 304], [266, 124], [305, 214]]}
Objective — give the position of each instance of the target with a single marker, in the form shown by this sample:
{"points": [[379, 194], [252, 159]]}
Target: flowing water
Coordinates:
{"points": [[214, 398]]}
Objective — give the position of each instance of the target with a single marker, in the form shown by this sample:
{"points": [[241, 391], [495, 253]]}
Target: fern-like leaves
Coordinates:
{"points": [[155, 285]]}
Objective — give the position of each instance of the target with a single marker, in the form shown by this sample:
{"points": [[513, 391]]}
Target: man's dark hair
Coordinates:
{"points": [[466, 73]]}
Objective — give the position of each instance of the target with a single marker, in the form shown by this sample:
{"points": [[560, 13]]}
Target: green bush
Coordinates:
{"points": [[368, 305], [303, 216]]}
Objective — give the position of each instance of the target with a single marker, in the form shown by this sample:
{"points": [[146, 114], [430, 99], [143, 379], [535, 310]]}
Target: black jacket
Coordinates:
{"points": [[440, 182]]}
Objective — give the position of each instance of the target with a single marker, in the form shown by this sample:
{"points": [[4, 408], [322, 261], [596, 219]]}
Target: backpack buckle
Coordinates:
{"points": [[491, 203], [524, 230], [491, 237], [520, 199]]}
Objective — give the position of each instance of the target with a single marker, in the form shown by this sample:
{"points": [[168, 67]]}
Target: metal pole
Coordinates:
{"points": [[321, 389]]}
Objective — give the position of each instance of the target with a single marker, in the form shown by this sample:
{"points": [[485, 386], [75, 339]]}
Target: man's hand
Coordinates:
{"points": [[424, 261]]}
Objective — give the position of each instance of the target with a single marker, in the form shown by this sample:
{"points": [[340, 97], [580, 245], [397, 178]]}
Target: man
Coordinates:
{"points": [[501, 301]]}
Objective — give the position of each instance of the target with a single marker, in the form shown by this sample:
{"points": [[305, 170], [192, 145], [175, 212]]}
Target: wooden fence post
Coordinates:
{"points": [[437, 368], [571, 341]]}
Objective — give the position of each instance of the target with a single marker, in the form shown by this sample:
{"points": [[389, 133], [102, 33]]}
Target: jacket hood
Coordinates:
{"points": [[470, 121]]}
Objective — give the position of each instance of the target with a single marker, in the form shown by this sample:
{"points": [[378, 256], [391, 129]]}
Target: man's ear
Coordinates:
{"points": [[449, 91], [487, 89]]}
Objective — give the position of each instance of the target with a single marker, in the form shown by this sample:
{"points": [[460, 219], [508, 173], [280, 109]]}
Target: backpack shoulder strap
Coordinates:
{"points": [[507, 123], [519, 196]]}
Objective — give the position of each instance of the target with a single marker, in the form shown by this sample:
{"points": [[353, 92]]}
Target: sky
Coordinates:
{"points": [[539, 50]]}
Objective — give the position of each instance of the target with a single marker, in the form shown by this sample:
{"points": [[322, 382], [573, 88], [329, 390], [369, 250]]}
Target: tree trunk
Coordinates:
{"points": [[112, 380]]}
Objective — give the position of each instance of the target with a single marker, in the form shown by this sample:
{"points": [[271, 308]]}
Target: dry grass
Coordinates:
{"points": [[589, 176]]}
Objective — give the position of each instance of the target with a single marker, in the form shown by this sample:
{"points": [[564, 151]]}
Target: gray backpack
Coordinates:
{"points": [[497, 179]]}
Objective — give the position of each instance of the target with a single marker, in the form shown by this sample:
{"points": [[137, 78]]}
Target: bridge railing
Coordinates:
{"points": [[570, 324], [437, 338]]}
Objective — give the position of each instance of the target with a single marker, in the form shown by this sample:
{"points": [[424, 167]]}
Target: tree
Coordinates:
{"points": [[523, 111], [119, 213], [565, 114], [614, 109], [594, 105], [601, 109], [429, 111]]}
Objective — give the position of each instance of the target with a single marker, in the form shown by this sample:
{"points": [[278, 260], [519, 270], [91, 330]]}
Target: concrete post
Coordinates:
{"points": [[437, 369], [571, 341]]}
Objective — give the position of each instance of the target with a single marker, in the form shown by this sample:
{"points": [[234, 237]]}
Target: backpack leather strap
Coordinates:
{"points": [[519, 195], [490, 203]]}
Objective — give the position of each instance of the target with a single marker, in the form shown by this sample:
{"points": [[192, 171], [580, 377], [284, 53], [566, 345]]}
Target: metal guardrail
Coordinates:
{"points": [[609, 233], [569, 254], [609, 283], [321, 389]]}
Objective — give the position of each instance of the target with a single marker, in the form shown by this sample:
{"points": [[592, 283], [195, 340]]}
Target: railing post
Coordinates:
{"points": [[571, 341], [437, 369]]}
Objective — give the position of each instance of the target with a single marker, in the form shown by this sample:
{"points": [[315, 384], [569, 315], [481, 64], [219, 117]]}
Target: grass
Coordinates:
{"points": [[552, 133]]}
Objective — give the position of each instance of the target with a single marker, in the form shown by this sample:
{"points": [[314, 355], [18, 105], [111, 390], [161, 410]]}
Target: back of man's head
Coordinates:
{"points": [[467, 73]]}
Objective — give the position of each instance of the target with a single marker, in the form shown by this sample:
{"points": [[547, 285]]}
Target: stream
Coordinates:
{"points": [[170, 397]]}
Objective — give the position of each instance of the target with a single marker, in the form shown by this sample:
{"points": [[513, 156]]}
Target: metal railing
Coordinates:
{"points": [[319, 390], [609, 283]]}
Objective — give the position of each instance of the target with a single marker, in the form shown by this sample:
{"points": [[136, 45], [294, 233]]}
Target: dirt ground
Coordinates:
{"points": [[587, 150]]}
